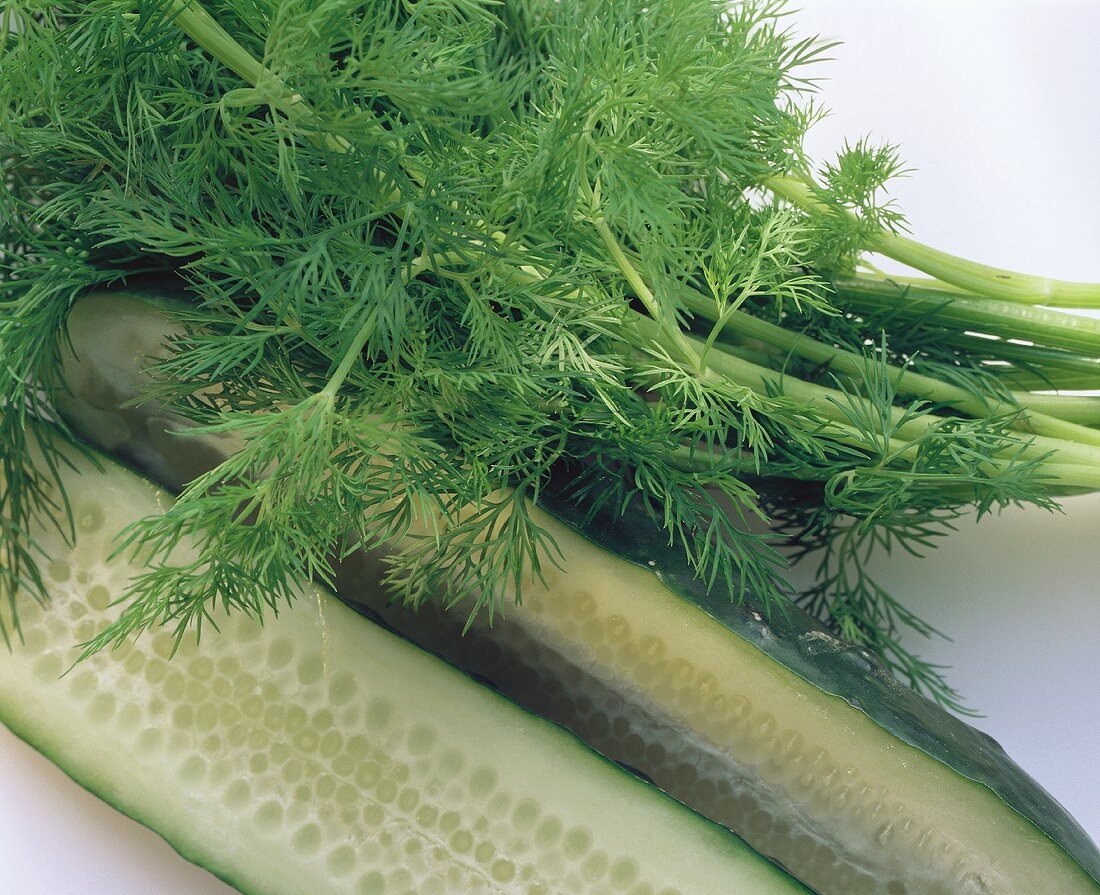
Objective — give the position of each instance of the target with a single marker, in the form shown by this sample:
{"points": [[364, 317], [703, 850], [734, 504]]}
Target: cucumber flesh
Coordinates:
{"points": [[319, 753], [804, 776], [740, 725]]}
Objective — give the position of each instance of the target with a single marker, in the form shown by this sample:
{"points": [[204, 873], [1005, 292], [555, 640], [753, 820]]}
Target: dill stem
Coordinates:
{"points": [[977, 278], [1033, 419], [355, 349], [1081, 409], [340, 374], [646, 296], [1035, 369], [830, 404], [1053, 436], [965, 311], [193, 19], [1073, 476]]}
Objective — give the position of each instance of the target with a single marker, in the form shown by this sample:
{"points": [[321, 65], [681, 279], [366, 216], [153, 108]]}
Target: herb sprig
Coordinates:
{"points": [[439, 252]]}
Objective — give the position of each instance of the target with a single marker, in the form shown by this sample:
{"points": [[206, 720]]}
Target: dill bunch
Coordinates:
{"points": [[439, 252]]}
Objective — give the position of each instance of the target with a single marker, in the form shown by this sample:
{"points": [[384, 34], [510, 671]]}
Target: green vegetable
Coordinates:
{"points": [[803, 745], [489, 244], [320, 754]]}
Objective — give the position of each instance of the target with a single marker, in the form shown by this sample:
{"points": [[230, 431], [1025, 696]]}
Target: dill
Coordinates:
{"points": [[439, 252]]}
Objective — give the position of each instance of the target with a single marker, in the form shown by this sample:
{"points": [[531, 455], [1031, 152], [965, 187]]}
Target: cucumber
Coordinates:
{"points": [[319, 753], [807, 748]]}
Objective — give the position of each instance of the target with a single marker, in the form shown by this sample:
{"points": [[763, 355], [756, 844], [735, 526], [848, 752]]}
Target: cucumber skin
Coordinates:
{"points": [[803, 645]]}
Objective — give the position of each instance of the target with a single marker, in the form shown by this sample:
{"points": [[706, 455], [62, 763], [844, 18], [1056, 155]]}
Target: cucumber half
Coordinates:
{"points": [[319, 753], [807, 748]]}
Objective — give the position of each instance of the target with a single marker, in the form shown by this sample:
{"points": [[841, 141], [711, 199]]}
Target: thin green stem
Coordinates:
{"points": [[647, 298], [1048, 379], [193, 19], [1074, 477], [201, 27], [964, 311], [419, 265], [347, 362], [1059, 438], [829, 403], [978, 278], [1037, 417], [1032, 366], [1081, 409]]}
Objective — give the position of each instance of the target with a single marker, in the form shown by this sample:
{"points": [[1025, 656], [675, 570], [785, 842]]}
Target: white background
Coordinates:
{"points": [[996, 106]]}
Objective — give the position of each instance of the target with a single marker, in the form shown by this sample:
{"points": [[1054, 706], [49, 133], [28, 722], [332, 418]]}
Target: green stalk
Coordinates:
{"points": [[1050, 380], [1032, 366], [201, 27], [978, 278], [825, 402], [1055, 329], [193, 19], [1081, 409], [1073, 478], [715, 362], [647, 298], [829, 403], [1041, 416], [204, 30], [1064, 442]]}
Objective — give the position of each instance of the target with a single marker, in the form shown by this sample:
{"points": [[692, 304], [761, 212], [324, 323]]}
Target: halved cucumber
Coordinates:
{"points": [[319, 753], [807, 748]]}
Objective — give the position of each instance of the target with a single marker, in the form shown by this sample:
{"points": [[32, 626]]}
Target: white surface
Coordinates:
{"points": [[995, 105]]}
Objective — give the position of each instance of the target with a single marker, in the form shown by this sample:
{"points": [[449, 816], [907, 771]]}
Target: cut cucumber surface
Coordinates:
{"points": [[319, 753], [833, 794], [806, 748]]}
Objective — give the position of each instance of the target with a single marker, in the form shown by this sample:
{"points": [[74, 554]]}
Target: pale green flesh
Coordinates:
{"points": [[321, 754], [806, 778], [801, 775]]}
